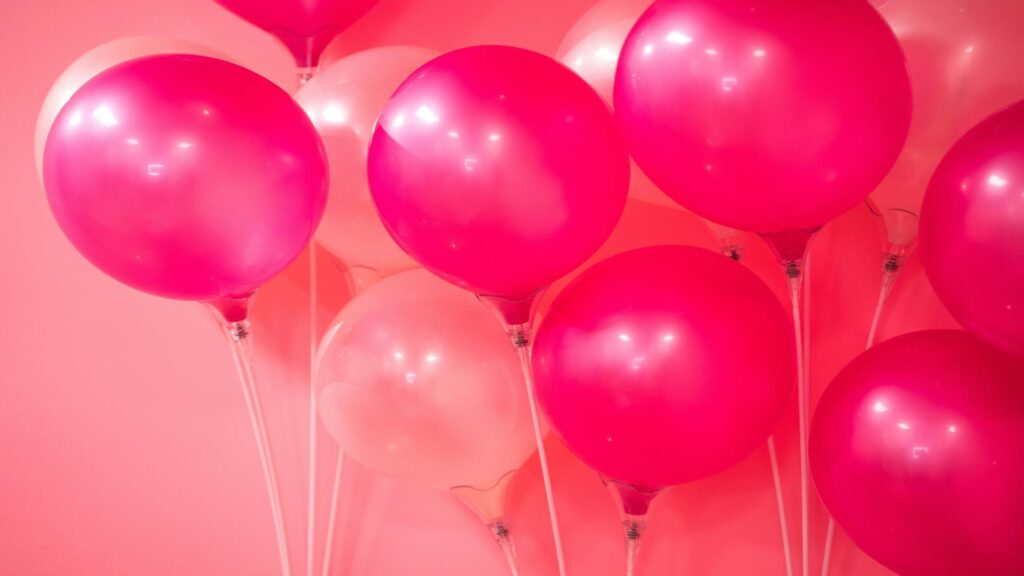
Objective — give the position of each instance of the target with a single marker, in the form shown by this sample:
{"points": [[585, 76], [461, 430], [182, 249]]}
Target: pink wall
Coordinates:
{"points": [[124, 443]]}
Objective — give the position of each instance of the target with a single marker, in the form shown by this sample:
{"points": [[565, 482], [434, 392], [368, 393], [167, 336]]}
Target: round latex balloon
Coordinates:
{"points": [[95, 61], [305, 27], [419, 382], [962, 57], [972, 230], [917, 449], [591, 48], [185, 176], [762, 114], [344, 100], [498, 169], [664, 365]]}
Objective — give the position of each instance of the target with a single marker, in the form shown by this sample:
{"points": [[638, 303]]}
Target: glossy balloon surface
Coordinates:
{"points": [[498, 169], [764, 115], [344, 100], [419, 382], [917, 449], [664, 365], [185, 176]]}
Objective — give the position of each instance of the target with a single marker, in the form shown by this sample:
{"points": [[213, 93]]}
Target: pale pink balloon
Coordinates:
{"points": [[917, 449], [185, 176], [591, 48], [664, 365], [964, 58], [972, 230], [764, 115], [419, 382], [97, 60], [344, 100], [498, 169], [305, 27]]}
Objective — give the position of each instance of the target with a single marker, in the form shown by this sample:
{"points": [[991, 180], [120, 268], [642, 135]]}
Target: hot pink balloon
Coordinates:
{"points": [[305, 27], [917, 449], [97, 60], [764, 115], [185, 176], [972, 230], [664, 365], [419, 382], [964, 62], [343, 101], [498, 169]]}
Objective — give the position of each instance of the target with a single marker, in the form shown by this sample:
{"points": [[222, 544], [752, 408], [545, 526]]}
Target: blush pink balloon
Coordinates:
{"points": [[764, 115], [917, 449], [964, 58], [591, 48], [305, 27], [972, 230], [664, 365], [498, 169], [344, 100], [419, 382], [185, 176], [97, 60]]}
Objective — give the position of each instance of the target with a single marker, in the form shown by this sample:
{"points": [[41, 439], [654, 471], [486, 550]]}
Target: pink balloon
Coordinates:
{"points": [[965, 64], [917, 449], [664, 365], [419, 382], [498, 169], [591, 48], [972, 230], [764, 115], [344, 101], [97, 60], [185, 176], [305, 27]]}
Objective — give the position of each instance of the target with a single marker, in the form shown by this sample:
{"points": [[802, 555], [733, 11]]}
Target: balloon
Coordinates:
{"points": [[972, 230], [95, 61], [763, 115], [343, 101], [419, 382], [185, 176], [664, 365], [305, 27], [498, 169], [963, 58], [917, 449], [591, 48]]}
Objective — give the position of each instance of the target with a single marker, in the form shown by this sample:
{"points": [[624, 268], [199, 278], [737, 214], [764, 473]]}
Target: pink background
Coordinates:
{"points": [[124, 442]]}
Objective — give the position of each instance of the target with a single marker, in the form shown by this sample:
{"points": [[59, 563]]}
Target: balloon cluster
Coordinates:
{"points": [[501, 171]]}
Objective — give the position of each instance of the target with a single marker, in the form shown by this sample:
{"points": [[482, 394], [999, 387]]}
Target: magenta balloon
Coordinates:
{"points": [[664, 365], [917, 449], [972, 230], [305, 27], [764, 115], [498, 169], [185, 176]]}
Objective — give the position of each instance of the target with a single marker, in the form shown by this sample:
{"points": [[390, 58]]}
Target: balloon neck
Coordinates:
{"points": [[790, 248], [487, 503], [730, 240], [233, 314], [306, 50], [634, 501], [901, 231], [305, 74], [515, 314]]}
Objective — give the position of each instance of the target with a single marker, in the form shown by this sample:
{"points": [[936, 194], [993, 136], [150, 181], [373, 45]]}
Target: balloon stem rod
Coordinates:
{"points": [[635, 528], [313, 342], [236, 325], [520, 336], [795, 289], [780, 503], [499, 529], [891, 266], [332, 517]]}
